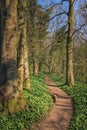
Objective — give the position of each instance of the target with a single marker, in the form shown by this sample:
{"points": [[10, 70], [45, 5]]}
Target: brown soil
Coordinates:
{"points": [[59, 117]]}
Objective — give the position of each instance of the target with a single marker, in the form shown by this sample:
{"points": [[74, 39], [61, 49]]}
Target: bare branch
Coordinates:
{"points": [[57, 15], [79, 28]]}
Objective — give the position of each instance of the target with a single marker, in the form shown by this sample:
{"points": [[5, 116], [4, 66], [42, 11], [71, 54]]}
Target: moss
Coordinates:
{"points": [[14, 105], [11, 105], [27, 84], [21, 101], [5, 108]]}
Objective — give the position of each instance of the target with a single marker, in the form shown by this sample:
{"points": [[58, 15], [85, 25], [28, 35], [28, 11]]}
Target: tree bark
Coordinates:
{"points": [[36, 66], [8, 67], [23, 68], [69, 46], [26, 69]]}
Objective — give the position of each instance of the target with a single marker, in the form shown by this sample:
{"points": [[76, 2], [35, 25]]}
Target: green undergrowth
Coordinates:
{"points": [[39, 103], [78, 94]]}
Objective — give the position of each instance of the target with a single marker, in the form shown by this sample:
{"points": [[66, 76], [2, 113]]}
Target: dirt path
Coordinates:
{"points": [[60, 115]]}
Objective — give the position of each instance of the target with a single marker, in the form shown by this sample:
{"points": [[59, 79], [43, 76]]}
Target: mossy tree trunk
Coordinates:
{"points": [[36, 67], [36, 58], [23, 68], [20, 62], [10, 96], [69, 46], [8, 78], [26, 69]]}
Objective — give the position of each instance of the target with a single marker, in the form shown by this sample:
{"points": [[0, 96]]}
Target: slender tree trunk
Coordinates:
{"points": [[69, 46], [23, 69], [36, 67], [26, 69], [20, 61], [26, 59], [20, 57], [36, 59]]}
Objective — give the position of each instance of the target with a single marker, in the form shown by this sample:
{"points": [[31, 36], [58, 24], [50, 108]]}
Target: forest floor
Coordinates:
{"points": [[59, 117]]}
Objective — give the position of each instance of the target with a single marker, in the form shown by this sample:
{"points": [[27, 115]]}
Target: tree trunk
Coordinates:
{"points": [[26, 69], [10, 96], [36, 66], [20, 61], [23, 69], [8, 78], [69, 46], [36, 58]]}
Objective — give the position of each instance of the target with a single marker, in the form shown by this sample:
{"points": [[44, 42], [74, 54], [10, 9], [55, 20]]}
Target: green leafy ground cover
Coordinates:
{"points": [[78, 94], [39, 103]]}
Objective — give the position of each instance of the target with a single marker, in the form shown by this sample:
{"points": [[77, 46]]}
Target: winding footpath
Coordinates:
{"points": [[60, 116]]}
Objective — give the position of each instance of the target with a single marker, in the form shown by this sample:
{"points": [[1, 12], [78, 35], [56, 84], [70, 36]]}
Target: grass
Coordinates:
{"points": [[78, 94], [39, 103]]}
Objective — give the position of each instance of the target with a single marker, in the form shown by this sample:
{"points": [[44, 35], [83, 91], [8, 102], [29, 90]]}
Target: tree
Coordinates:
{"points": [[10, 96], [69, 46], [23, 68]]}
